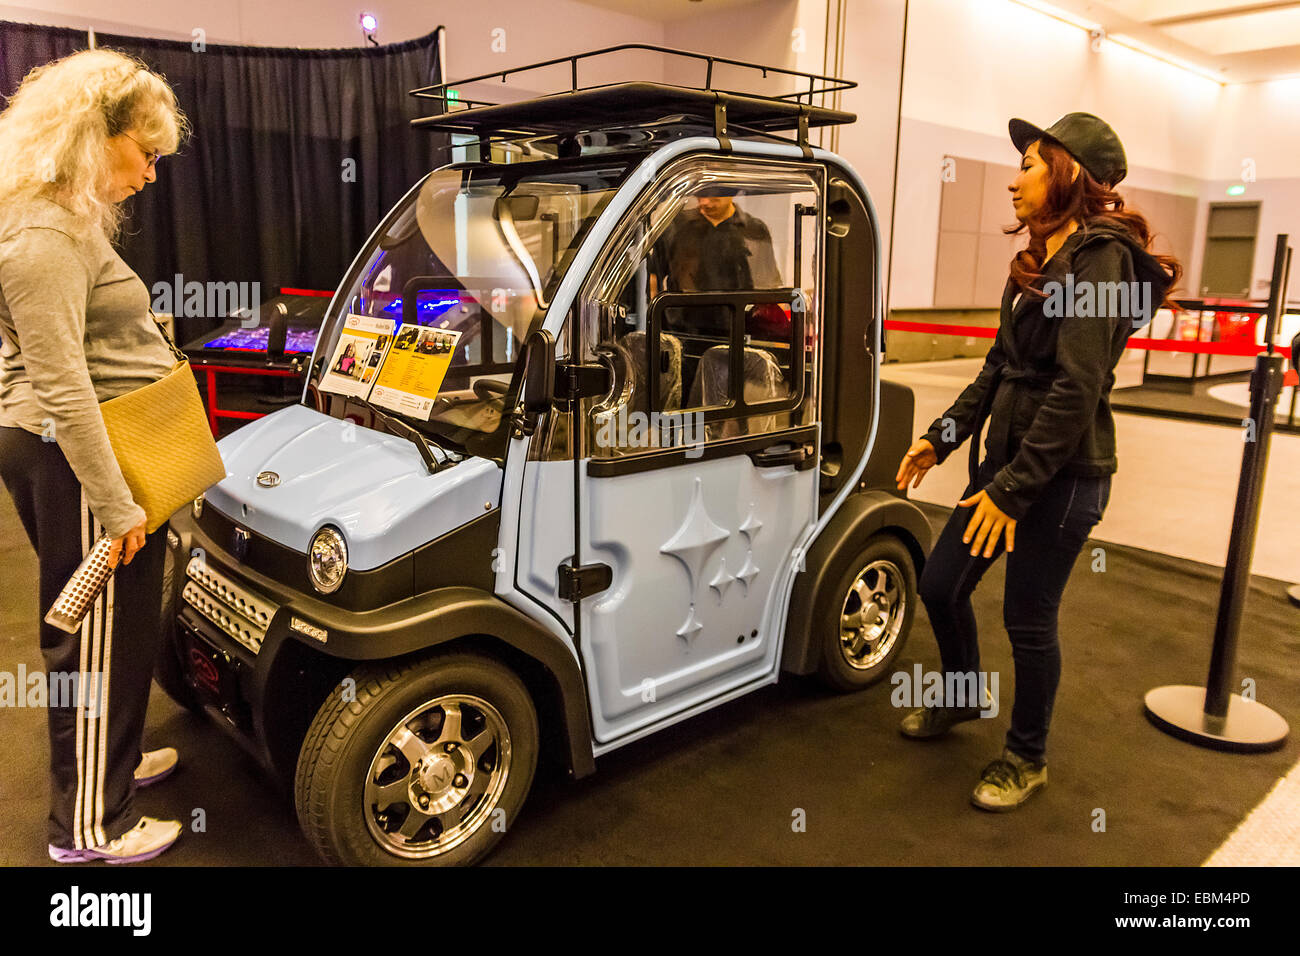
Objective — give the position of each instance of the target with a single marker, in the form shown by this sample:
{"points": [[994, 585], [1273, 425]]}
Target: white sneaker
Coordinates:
{"points": [[155, 765], [144, 841]]}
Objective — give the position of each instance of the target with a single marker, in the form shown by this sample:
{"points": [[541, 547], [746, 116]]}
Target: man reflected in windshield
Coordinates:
{"points": [[715, 247]]}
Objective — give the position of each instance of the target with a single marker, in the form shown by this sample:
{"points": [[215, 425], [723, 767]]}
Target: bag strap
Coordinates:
{"points": [[162, 329]]}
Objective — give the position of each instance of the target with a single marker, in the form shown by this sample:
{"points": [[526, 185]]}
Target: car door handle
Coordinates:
{"points": [[800, 456]]}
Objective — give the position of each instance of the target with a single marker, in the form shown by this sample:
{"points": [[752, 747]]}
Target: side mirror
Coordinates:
{"points": [[278, 334], [538, 389]]}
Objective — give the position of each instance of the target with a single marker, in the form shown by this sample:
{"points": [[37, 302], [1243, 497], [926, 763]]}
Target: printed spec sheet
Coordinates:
{"points": [[399, 370]]}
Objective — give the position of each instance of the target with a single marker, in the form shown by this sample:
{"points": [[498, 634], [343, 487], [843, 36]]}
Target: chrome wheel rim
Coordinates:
{"points": [[437, 777], [871, 616]]}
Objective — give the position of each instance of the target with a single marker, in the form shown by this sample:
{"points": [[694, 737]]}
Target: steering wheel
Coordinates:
{"points": [[489, 389]]}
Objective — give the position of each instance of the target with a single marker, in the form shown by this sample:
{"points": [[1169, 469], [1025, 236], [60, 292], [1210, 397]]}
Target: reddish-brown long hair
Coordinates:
{"points": [[1085, 200]]}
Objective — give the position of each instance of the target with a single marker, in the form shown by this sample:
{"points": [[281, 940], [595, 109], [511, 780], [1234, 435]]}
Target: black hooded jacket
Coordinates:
{"points": [[1045, 385]]}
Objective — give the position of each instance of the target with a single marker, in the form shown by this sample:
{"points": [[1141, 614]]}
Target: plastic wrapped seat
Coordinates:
{"points": [[764, 381], [670, 381]]}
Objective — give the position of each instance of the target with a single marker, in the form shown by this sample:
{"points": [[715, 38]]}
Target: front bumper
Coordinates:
{"points": [[264, 684]]}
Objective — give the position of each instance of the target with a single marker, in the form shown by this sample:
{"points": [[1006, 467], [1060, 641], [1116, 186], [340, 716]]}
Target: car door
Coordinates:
{"points": [[697, 464]]}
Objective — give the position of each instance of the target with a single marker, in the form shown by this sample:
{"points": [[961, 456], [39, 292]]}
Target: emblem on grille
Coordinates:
{"points": [[268, 479]]}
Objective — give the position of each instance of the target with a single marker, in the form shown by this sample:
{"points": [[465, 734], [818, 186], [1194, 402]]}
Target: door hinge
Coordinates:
{"points": [[582, 381], [578, 583]]}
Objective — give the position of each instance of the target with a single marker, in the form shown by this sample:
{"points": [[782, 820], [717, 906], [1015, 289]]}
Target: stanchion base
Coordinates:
{"points": [[1293, 592], [1179, 709]]}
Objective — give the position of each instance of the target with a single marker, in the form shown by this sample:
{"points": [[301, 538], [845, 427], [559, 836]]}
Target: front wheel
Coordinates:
{"points": [[865, 619], [425, 763]]}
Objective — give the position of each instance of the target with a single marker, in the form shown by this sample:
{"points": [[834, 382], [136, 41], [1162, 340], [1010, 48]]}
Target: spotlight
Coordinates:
{"points": [[368, 26]]}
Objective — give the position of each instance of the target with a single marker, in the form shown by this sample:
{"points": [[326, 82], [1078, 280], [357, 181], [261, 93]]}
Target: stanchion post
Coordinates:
{"points": [[1214, 716]]}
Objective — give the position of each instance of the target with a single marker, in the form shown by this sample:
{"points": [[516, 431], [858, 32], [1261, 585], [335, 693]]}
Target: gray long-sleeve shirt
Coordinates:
{"points": [[75, 330]]}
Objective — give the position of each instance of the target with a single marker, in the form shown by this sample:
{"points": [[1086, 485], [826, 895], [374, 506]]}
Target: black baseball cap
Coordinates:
{"points": [[1087, 138]]}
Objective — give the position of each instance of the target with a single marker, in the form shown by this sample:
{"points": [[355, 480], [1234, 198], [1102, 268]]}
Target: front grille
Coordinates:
{"points": [[239, 612]]}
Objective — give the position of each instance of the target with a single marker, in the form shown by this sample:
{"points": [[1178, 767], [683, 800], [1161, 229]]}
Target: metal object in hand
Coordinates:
{"points": [[82, 588]]}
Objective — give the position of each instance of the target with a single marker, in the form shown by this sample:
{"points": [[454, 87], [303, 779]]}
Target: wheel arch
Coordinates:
{"points": [[862, 515], [302, 675]]}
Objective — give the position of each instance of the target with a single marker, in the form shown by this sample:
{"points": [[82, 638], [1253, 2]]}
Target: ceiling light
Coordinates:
{"points": [[1098, 34], [1056, 13], [1137, 46]]}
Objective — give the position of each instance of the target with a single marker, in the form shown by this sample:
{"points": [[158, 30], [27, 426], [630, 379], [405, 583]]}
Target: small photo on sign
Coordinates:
{"points": [[406, 338], [358, 355], [355, 353]]}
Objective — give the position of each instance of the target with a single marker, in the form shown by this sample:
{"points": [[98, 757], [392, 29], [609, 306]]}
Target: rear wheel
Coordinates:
{"points": [[864, 620], [425, 763]]}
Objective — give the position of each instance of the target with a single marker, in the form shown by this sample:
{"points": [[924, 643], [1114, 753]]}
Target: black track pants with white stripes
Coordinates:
{"points": [[94, 733]]}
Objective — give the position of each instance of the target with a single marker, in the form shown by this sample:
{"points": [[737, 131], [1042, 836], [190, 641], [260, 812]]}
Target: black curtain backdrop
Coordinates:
{"points": [[261, 191]]}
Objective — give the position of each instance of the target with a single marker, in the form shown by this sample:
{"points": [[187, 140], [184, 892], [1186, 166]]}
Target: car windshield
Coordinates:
{"points": [[431, 321]]}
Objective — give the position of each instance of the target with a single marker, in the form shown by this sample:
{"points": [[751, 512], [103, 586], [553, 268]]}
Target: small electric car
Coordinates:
{"points": [[625, 455]]}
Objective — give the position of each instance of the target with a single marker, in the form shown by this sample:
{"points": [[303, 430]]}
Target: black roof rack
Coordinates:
{"points": [[581, 108]]}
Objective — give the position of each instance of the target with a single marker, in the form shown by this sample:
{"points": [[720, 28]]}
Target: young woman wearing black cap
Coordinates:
{"points": [[1050, 452]]}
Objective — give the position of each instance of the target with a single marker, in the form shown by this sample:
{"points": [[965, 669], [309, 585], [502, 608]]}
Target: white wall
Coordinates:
{"points": [[1258, 121], [873, 55], [765, 32], [1256, 144], [972, 66]]}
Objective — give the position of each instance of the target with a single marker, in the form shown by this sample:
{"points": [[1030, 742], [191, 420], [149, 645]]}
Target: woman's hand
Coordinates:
{"points": [[125, 547], [920, 458], [988, 521]]}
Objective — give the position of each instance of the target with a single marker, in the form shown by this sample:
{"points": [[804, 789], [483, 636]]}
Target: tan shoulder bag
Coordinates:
{"points": [[162, 441]]}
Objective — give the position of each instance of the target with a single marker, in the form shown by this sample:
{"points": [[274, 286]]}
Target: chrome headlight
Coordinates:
{"points": [[327, 560], [197, 508]]}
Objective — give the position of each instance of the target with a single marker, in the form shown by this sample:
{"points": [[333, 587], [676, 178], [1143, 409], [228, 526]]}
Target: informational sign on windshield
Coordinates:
{"points": [[413, 371], [359, 355]]}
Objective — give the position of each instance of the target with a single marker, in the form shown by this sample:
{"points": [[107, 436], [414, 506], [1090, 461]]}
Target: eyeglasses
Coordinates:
{"points": [[152, 156]]}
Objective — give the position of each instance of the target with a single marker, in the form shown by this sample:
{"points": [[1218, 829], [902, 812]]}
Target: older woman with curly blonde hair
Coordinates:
{"points": [[79, 136]]}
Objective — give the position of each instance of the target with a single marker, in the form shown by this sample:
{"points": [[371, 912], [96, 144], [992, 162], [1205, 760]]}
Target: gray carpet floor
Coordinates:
{"points": [[723, 788]]}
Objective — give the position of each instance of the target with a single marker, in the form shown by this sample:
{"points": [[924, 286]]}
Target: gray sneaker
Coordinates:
{"points": [[1008, 782], [926, 722], [146, 840]]}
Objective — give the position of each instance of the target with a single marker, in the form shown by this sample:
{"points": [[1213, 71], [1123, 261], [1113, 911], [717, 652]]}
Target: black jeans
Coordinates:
{"points": [[1048, 541]]}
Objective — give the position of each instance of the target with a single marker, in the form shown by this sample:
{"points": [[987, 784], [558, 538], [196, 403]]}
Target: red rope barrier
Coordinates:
{"points": [[1247, 349]]}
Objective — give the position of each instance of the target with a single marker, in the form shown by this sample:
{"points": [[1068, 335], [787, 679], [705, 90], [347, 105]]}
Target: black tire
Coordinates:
{"points": [[850, 658], [348, 755]]}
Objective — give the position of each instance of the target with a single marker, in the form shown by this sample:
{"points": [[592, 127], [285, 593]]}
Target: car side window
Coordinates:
{"points": [[705, 307]]}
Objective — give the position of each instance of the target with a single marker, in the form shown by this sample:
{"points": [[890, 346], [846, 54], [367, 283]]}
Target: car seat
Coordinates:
{"points": [[634, 396], [764, 381], [670, 380]]}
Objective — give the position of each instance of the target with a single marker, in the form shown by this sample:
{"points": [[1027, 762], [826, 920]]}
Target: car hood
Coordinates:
{"points": [[371, 486]]}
